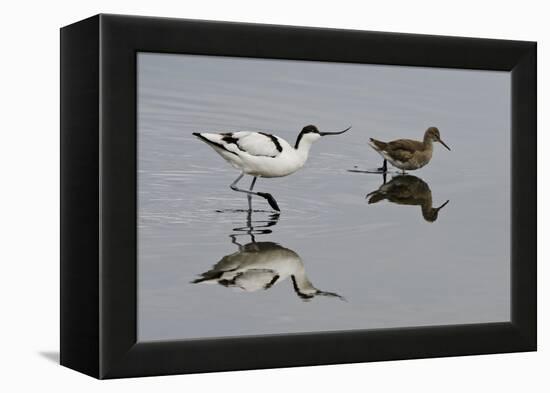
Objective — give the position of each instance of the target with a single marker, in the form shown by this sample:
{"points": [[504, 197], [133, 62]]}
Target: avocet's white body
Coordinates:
{"points": [[263, 155], [259, 154]]}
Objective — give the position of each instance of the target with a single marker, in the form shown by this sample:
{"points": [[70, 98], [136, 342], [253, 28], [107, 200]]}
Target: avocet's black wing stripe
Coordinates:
{"points": [[275, 141], [258, 144], [229, 138], [220, 145]]}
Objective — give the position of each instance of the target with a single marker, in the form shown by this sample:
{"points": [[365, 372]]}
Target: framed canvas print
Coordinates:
{"points": [[240, 196]]}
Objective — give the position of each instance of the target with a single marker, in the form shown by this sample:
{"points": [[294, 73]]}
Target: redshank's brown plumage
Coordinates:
{"points": [[408, 190], [408, 154]]}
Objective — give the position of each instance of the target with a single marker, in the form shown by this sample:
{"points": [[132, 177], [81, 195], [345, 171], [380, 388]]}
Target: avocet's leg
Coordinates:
{"points": [[268, 197], [384, 167], [234, 184], [234, 241], [249, 220], [248, 196]]}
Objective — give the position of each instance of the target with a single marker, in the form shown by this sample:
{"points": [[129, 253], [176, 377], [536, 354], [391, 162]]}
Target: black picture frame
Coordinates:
{"points": [[98, 196]]}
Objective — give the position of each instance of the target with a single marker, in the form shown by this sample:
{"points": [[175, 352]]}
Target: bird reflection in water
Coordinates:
{"points": [[261, 265], [408, 190]]}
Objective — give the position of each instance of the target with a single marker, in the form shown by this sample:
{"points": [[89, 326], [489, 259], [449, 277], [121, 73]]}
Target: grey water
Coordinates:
{"points": [[208, 267]]}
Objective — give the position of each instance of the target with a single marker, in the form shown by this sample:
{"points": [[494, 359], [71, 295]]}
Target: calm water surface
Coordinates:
{"points": [[335, 258]]}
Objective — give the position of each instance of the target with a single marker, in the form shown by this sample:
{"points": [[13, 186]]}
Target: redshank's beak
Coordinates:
{"points": [[444, 144], [334, 133], [442, 206]]}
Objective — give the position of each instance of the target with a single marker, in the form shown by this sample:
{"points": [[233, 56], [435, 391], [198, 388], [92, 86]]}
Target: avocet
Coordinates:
{"points": [[260, 154]]}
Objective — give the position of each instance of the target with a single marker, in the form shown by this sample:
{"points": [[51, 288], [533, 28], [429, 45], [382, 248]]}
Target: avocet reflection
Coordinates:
{"points": [[260, 266]]}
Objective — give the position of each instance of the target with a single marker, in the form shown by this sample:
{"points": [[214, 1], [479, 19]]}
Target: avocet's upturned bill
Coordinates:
{"points": [[259, 154]]}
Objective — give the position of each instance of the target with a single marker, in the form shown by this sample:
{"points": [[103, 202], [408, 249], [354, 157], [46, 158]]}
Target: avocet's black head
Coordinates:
{"points": [[311, 133], [310, 128]]}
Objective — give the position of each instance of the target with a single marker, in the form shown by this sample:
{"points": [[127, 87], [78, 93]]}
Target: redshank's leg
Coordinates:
{"points": [[384, 167]]}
